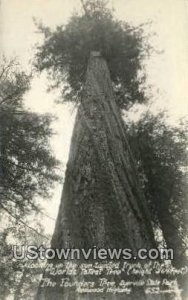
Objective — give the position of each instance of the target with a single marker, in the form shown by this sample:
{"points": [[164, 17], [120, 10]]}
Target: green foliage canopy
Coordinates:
{"points": [[65, 52]]}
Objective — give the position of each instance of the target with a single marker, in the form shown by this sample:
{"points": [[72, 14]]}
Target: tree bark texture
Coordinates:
{"points": [[102, 204]]}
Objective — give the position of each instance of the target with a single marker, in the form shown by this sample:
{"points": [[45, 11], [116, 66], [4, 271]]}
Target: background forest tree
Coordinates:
{"points": [[28, 167], [28, 170]]}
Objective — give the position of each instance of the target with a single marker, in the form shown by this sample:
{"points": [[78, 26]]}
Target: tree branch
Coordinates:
{"points": [[85, 9], [22, 222]]}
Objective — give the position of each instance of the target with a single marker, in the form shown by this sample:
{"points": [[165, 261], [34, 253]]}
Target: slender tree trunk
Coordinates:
{"points": [[102, 203], [174, 241]]}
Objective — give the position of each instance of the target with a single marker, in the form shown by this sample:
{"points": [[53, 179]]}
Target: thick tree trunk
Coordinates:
{"points": [[102, 203]]}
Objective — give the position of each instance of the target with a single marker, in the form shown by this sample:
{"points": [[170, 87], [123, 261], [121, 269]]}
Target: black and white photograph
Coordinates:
{"points": [[93, 150]]}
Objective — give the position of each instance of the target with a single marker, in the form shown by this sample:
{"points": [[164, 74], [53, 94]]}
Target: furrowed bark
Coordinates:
{"points": [[102, 204]]}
